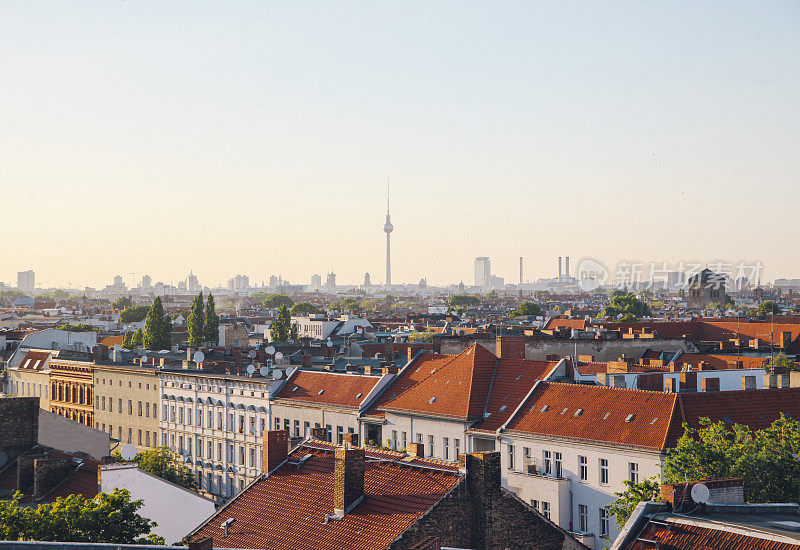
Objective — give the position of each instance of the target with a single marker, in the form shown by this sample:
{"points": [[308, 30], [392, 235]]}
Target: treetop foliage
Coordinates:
{"points": [[528, 308], [276, 300], [626, 304]]}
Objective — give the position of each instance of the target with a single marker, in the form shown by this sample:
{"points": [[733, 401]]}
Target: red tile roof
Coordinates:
{"points": [[597, 413], [721, 361], [555, 323], [684, 536], [339, 390], [287, 509]]}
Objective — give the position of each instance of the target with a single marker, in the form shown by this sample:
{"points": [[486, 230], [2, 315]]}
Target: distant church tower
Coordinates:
{"points": [[388, 228]]}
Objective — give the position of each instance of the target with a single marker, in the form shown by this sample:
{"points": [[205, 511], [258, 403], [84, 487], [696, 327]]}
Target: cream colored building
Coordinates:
{"points": [[29, 375], [126, 403]]}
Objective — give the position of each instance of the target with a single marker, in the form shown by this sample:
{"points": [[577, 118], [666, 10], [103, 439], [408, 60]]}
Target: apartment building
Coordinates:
{"points": [[29, 375], [126, 403], [215, 422], [71, 387], [568, 447]]}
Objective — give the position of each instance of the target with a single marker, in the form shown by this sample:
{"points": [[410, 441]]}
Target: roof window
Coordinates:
{"points": [[358, 395], [630, 417], [432, 400], [578, 412], [320, 392], [564, 410], [294, 388], [605, 416], [654, 420], [503, 408], [543, 409]]}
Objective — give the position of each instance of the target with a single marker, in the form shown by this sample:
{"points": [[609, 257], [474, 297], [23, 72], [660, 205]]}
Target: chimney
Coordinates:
{"points": [[47, 474], [566, 269], [305, 359], [721, 491], [390, 369], [190, 353], [206, 543], [319, 433], [710, 384], [786, 339], [671, 385], [274, 449], [350, 439], [409, 352], [559, 269], [25, 472], [416, 450], [510, 347], [348, 472]]}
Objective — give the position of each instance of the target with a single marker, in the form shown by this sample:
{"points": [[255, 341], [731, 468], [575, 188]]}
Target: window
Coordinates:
{"points": [[199, 451], [119, 409], [535, 504], [277, 423], [103, 403], [241, 425], [604, 523], [583, 518], [511, 457], [241, 456], [130, 407], [603, 471], [147, 409], [172, 413], [130, 435], [219, 421], [583, 468], [297, 428], [559, 470], [633, 471], [339, 435], [446, 445], [189, 415], [548, 465], [147, 438], [394, 440], [328, 432], [111, 406], [140, 438], [140, 408], [210, 450], [180, 415], [219, 452], [403, 439], [546, 509], [430, 443], [456, 443], [252, 458]]}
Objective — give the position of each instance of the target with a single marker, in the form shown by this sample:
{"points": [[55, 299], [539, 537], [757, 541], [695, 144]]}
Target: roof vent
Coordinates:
{"points": [[503, 408], [358, 395], [605, 416], [431, 400], [320, 392], [654, 420], [564, 410], [630, 417], [294, 388], [543, 409], [578, 412]]}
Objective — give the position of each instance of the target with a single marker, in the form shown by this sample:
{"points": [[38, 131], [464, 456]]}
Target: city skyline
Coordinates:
{"points": [[661, 133]]}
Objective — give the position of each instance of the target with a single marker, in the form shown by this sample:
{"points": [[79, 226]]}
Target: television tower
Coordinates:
{"points": [[388, 228]]}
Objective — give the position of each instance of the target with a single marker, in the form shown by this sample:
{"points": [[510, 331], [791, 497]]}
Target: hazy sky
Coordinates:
{"points": [[256, 137]]}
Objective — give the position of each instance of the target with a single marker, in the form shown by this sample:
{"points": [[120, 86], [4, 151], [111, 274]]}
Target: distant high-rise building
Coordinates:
{"points": [[239, 282], [147, 282], [367, 280], [316, 281], [483, 270], [330, 280], [273, 281], [192, 284], [388, 228], [26, 280], [118, 282]]}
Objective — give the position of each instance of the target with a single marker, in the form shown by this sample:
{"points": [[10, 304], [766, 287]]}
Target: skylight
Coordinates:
{"points": [[518, 377], [320, 392], [294, 388], [432, 400], [358, 395], [630, 417], [605, 416], [654, 420], [503, 408], [564, 410], [543, 409], [578, 412]]}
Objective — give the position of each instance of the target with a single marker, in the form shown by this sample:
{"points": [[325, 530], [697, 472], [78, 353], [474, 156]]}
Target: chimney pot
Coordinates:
{"points": [[348, 479], [416, 449], [274, 449]]}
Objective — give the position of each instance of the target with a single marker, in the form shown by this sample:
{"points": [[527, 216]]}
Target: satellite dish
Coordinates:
{"points": [[117, 347], [251, 369], [270, 350], [700, 493], [263, 371], [277, 374], [329, 338], [377, 356], [252, 354], [144, 359], [128, 451], [199, 357], [3, 458], [278, 356], [330, 344]]}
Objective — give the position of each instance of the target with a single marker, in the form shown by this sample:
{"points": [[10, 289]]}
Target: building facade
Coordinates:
{"points": [[72, 389], [126, 403]]}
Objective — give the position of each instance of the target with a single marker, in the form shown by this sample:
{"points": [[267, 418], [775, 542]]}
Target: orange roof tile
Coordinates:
{"points": [[683, 536], [287, 509], [328, 388]]}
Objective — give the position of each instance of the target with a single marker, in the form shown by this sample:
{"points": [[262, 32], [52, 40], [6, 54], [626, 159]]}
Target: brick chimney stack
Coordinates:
{"points": [[416, 449], [350, 439], [510, 347], [274, 449], [348, 471], [47, 473], [319, 433]]}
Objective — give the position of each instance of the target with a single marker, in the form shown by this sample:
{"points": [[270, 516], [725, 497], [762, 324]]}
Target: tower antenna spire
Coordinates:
{"points": [[387, 196]]}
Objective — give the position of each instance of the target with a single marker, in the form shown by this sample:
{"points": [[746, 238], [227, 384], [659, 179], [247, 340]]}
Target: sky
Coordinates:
{"points": [[257, 137]]}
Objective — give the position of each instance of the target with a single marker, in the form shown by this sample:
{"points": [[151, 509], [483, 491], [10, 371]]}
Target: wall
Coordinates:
{"points": [[176, 510], [19, 425], [70, 436], [590, 492], [603, 350], [438, 428], [137, 388], [29, 383]]}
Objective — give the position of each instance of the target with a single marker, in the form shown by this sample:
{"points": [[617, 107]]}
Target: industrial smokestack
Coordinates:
{"points": [[567, 269], [520, 270], [559, 269]]}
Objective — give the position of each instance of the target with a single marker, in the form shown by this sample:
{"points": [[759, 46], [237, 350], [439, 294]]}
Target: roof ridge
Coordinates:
{"points": [[599, 386]]}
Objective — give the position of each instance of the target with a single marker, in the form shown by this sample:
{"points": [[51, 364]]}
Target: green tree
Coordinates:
{"points": [[121, 303], [80, 327], [768, 308], [466, 300], [304, 308], [492, 295], [768, 460], [107, 518], [137, 339], [294, 331], [195, 323], [157, 327], [211, 328], [623, 304], [162, 462], [127, 340], [281, 326], [649, 490], [421, 336], [133, 314], [782, 362], [528, 308], [276, 300], [347, 304]]}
